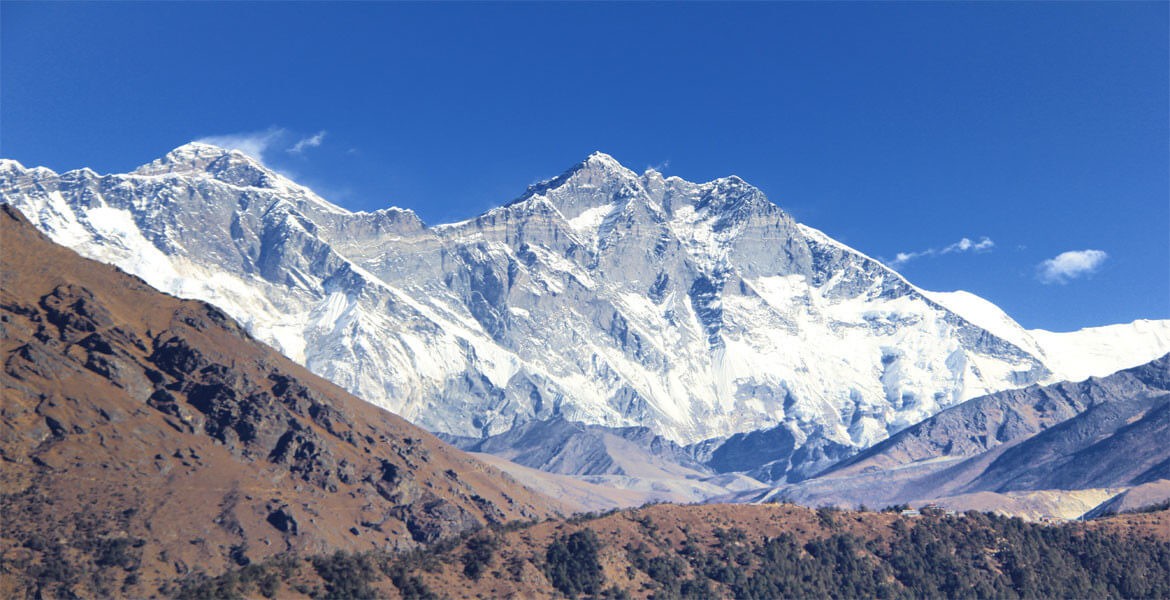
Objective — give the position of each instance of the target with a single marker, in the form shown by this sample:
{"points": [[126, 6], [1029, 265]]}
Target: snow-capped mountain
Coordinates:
{"points": [[699, 310], [1074, 355]]}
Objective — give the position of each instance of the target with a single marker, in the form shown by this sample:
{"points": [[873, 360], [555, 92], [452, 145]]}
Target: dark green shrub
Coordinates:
{"points": [[479, 554], [571, 564]]}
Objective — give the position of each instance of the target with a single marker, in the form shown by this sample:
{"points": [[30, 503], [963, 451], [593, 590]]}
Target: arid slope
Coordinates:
{"points": [[143, 437]]}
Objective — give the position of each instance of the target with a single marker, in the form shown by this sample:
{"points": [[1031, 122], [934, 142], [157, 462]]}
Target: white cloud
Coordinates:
{"points": [[905, 257], [964, 245], [254, 144], [1070, 265], [309, 142]]}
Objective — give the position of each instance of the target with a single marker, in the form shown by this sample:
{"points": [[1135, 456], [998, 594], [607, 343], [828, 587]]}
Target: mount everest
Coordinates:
{"points": [[696, 310]]}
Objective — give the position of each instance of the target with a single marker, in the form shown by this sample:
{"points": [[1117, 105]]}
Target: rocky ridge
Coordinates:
{"points": [[1103, 433]]}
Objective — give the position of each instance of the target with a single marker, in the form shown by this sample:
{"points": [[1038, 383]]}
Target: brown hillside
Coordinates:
{"points": [[143, 438]]}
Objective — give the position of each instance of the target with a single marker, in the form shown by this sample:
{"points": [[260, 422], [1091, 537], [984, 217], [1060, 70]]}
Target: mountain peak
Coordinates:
{"points": [[227, 165], [202, 153], [8, 165], [601, 165], [596, 167], [602, 160], [200, 146], [587, 184]]}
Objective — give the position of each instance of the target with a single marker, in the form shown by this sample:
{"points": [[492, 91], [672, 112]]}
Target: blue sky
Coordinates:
{"points": [[1037, 131]]}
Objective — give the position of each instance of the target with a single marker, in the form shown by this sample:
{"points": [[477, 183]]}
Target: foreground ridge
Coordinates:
{"points": [[145, 438]]}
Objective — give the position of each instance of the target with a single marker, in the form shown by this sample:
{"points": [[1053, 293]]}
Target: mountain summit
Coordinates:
{"points": [[198, 159], [699, 310]]}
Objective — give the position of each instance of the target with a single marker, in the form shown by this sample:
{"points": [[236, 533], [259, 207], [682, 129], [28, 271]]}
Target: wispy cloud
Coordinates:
{"points": [[310, 142], [254, 144], [1066, 266], [964, 245]]}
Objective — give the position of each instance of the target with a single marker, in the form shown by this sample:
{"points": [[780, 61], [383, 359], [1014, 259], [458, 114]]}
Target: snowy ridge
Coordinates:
{"points": [[1071, 356], [616, 299]]}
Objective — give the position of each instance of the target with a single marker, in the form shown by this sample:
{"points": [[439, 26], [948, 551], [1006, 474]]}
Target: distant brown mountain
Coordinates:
{"points": [[1104, 433], [144, 438]]}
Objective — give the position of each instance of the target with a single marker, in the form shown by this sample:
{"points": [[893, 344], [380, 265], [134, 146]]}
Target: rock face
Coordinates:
{"points": [[698, 311], [1101, 433], [145, 437], [573, 448], [597, 468]]}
